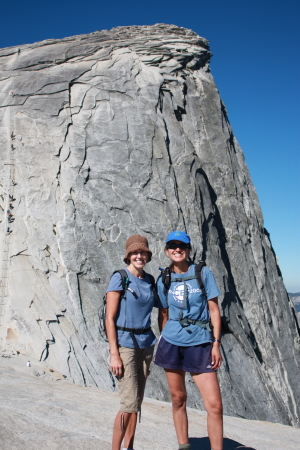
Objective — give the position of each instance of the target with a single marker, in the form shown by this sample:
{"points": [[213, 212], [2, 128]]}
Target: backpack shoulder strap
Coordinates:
{"points": [[153, 284], [199, 277], [166, 278], [124, 279], [152, 280]]}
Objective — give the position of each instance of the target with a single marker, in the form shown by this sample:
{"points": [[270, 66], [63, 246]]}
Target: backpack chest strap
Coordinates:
{"points": [[179, 279]]}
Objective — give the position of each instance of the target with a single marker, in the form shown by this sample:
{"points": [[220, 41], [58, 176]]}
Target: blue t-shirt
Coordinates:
{"points": [[134, 312], [196, 308]]}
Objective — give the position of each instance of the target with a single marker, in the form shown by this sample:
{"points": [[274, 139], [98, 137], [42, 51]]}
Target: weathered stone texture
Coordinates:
{"points": [[60, 415], [121, 132]]}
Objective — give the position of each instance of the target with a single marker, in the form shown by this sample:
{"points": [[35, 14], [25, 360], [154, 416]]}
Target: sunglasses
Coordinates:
{"points": [[182, 246]]}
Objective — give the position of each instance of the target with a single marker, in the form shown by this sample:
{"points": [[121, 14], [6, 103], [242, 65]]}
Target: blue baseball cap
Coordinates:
{"points": [[178, 236]]}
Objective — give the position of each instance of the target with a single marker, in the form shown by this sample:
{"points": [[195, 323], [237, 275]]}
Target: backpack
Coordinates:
{"points": [[125, 287], [166, 276]]}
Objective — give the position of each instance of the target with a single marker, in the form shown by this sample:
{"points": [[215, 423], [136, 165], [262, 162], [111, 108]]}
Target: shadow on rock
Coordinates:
{"points": [[229, 444]]}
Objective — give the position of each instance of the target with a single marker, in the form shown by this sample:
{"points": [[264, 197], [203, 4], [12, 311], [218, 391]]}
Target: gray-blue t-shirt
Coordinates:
{"points": [[135, 312], [196, 308]]}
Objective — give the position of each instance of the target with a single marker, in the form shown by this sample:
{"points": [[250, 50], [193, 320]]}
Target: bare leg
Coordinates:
{"points": [[130, 431], [120, 428], [208, 386], [176, 382]]}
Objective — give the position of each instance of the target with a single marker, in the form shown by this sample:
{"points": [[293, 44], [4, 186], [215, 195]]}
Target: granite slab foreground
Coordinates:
{"points": [[37, 412]]}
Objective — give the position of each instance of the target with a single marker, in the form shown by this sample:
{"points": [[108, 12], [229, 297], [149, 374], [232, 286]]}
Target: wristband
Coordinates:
{"points": [[218, 341]]}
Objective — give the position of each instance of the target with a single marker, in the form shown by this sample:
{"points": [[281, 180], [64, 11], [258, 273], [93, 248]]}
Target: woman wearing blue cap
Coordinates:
{"points": [[191, 337]]}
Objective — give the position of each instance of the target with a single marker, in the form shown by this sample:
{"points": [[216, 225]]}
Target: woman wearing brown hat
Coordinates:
{"points": [[130, 337]]}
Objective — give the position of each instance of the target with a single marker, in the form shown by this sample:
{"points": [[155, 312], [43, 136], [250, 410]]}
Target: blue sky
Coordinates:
{"points": [[256, 66]]}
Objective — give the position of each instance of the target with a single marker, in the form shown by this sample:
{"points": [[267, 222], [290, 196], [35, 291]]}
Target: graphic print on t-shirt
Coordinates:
{"points": [[178, 291]]}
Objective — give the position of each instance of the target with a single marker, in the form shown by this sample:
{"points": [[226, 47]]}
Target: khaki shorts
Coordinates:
{"points": [[136, 371]]}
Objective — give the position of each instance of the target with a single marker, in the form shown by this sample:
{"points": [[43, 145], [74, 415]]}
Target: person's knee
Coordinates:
{"points": [[178, 400], [215, 407]]}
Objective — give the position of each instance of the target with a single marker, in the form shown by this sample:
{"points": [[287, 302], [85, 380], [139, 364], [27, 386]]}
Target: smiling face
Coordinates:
{"points": [[179, 251], [138, 258]]}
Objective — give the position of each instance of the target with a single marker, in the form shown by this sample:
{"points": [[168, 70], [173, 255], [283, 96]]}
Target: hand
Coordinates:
{"points": [[116, 366], [216, 358]]}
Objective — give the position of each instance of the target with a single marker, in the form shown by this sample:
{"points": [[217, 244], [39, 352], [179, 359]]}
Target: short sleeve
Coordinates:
{"points": [[161, 293], [115, 283], [210, 284]]}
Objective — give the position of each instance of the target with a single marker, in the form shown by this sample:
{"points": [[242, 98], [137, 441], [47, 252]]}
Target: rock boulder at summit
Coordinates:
{"points": [[121, 132]]}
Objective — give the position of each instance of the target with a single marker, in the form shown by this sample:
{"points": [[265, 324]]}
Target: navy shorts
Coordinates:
{"points": [[195, 359]]}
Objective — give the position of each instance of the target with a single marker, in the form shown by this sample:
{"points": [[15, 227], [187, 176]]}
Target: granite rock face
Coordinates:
{"points": [[121, 132]]}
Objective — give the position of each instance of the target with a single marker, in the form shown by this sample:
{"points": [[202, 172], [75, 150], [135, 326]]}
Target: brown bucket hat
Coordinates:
{"points": [[136, 242]]}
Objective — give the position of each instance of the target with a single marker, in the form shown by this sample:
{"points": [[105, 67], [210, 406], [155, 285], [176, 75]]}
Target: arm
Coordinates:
{"points": [[216, 326], [112, 304], [163, 315]]}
